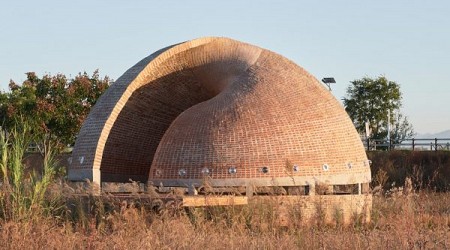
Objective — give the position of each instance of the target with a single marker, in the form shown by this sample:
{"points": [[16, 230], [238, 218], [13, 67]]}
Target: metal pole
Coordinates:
{"points": [[389, 129]]}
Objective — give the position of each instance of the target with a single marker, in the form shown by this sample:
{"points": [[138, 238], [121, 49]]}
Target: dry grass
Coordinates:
{"points": [[417, 221], [31, 220], [427, 169]]}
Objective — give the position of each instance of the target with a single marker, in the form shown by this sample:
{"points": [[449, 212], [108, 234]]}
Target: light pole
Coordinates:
{"points": [[389, 129]]}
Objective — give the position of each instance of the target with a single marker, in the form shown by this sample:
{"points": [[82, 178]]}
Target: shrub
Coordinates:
{"points": [[427, 169]]}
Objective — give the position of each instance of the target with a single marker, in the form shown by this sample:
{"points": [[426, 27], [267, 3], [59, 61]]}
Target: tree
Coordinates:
{"points": [[53, 106], [370, 101], [401, 129]]}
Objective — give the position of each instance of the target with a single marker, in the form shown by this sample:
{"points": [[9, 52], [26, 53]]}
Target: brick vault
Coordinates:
{"points": [[220, 109]]}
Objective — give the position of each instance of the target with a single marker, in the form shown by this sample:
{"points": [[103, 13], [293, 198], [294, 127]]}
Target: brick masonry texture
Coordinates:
{"points": [[216, 103]]}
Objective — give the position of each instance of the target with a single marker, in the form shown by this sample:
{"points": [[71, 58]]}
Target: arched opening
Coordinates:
{"points": [[136, 133], [148, 113]]}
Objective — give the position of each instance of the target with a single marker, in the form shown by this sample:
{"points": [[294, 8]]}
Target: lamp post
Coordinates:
{"points": [[389, 129], [328, 81]]}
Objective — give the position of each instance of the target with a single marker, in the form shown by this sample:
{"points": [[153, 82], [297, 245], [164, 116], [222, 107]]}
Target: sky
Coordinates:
{"points": [[408, 41]]}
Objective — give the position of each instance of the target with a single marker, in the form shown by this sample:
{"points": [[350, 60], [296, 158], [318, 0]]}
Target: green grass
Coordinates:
{"points": [[23, 192]]}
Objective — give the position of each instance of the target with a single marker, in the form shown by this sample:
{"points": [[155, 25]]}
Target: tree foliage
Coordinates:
{"points": [[401, 129], [372, 101], [53, 106]]}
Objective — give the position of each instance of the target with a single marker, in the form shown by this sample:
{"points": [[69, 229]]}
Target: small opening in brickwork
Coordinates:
{"points": [[182, 172], [349, 165], [158, 172], [297, 190], [265, 170], [345, 189], [205, 171], [325, 167], [323, 189], [275, 190], [295, 168], [232, 170]]}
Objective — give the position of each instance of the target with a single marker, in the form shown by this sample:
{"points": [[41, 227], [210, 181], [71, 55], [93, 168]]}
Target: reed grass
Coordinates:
{"points": [[418, 221], [23, 192], [38, 211]]}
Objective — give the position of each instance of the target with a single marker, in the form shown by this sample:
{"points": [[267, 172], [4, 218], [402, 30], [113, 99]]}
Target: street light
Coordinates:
{"points": [[328, 81]]}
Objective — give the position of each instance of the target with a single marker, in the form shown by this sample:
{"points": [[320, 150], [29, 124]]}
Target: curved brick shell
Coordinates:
{"points": [[216, 104]]}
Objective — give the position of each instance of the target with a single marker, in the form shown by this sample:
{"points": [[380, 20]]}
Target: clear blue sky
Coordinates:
{"points": [[408, 41]]}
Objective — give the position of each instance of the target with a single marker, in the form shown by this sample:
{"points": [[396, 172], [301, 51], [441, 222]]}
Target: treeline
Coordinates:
{"points": [[54, 107], [426, 169]]}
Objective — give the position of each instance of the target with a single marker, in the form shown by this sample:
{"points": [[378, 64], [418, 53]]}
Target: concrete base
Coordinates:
{"points": [[328, 209], [336, 179]]}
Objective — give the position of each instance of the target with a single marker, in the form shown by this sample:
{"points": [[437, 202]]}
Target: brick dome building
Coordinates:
{"points": [[222, 110]]}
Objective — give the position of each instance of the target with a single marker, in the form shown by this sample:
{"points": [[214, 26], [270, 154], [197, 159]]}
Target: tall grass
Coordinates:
{"points": [[31, 218], [22, 192], [428, 169], [418, 221]]}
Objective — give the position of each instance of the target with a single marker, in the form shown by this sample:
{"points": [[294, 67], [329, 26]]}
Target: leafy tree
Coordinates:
{"points": [[401, 129], [53, 106], [371, 101]]}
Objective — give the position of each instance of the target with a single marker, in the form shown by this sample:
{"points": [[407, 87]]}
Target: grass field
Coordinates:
{"points": [[38, 212], [416, 221]]}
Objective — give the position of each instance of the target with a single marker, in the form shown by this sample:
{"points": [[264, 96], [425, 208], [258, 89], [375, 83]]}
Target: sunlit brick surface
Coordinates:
{"points": [[216, 104]]}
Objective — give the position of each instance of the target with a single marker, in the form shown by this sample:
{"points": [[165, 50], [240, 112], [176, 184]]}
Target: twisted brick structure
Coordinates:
{"points": [[219, 109]]}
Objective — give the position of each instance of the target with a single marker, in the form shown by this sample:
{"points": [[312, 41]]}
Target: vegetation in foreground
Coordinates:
{"points": [[37, 211], [414, 222], [428, 170]]}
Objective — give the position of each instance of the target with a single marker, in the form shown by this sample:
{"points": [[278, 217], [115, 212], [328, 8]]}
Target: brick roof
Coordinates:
{"points": [[205, 107]]}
